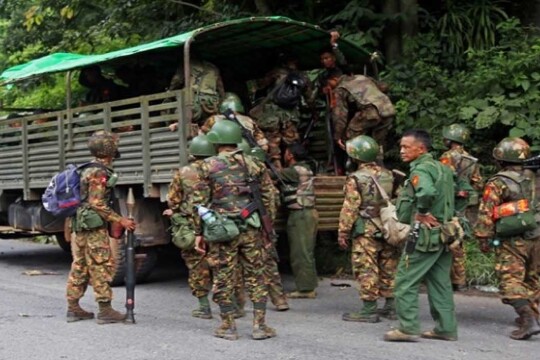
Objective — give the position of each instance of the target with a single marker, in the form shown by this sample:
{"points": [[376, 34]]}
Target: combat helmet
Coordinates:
{"points": [[512, 150], [103, 144], [363, 148], [225, 132], [200, 146], [231, 101], [457, 133]]}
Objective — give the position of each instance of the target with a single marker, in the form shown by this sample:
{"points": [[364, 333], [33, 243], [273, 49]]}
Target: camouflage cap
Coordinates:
{"points": [[200, 146], [363, 148], [231, 101], [103, 144], [512, 150], [457, 133]]}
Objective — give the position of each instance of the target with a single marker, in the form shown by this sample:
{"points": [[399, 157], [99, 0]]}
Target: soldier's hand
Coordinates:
{"points": [[341, 144], [200, 245], [173, 127], [128, 224], [167, 212], [334, 37], [343, 242], [427, 219], [484, 245]]}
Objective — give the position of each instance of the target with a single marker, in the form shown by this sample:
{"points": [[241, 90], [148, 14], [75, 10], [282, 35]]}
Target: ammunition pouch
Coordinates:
{"points": [[429, 240], [452, 231], [250, 216], [514, 218], [222, 229], [87, 219], [182, 233], [404, 209], [359, 227]]}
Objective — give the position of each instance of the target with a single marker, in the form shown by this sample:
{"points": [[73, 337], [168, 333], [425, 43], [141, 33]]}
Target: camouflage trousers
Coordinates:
{"points": [[92, 261], [273, 280], [374, 264], [518, 268], [225, 258], [369, 122], [200, 276], [457, 271]]}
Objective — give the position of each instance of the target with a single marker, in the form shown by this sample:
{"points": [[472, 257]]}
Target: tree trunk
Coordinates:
{"points": [[392, 32], [262, 7], [409, 24]]}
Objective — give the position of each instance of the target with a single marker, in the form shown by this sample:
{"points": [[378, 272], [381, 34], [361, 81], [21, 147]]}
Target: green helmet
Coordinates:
{"points": [[231, 101], [244, 146], [457, 133], [200, 146], [512, 150], [363, 148], [103, 144], [225, 132], [258, 153]]}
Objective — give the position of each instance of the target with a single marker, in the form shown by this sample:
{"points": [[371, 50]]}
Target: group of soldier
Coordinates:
{"points": [[222, 202]]}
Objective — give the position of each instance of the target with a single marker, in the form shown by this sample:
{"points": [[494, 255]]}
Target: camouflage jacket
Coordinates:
{"points": [[96, 194], [228, 180], [454, 159], [497, 191], [245, 121], [362, 197]]}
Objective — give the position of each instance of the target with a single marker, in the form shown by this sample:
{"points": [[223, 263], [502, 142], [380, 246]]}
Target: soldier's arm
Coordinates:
{"points": [[424, 189], [175, 193], [340, 113], [97, 187], [447, 160], [259, 136], [208, 124], [477, 181], [351, 208], [491, 197]]}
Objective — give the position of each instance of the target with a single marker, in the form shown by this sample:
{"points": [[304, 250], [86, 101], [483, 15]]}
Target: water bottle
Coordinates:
{"points": [[206, 214], [495, 242]]}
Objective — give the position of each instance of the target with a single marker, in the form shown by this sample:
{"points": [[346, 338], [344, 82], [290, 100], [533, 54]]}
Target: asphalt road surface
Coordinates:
{"points": [[33, 326]]}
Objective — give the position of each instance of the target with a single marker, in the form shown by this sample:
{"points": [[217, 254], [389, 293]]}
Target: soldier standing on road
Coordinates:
{"points": [[302, 221], [188, 189], [469, 183], [229, 195], [374, 261], [508, 200], [428, 201], [91, 250]]}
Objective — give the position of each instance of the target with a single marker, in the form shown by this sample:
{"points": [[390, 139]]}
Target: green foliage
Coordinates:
{"points": [[480, 267]]}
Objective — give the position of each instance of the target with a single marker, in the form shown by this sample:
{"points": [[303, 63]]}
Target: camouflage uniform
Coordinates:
{"points": [[245, 121], [374, 261], [230, 194], [302, 222], [91, 250], [517, 257], [372, 110], [454, 159], [187, 189]]}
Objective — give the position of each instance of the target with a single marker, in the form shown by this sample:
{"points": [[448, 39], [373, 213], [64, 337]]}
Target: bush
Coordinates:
{"points": [[480, 267]]}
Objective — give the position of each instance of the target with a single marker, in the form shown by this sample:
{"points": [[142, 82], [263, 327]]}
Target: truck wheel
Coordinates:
{"points": [[62, 242], [143, 267]]}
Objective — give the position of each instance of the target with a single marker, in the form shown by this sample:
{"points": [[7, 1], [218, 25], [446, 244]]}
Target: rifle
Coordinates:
{"points": [[330, 133], [257, 205], [130, 263], [311, 125], [532, 163], [246, 134]]}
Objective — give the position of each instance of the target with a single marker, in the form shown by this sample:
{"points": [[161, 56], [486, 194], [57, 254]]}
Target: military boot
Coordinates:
{"points": [[388, 310], [203, 311], [227, 329], [76, 313], [260, 330], [239, 311], [528, 324], [368, 313], [107, 315]]}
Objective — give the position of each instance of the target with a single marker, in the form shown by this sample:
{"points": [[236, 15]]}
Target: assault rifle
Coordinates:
{"points": [[257, 205], [532, 163], [246, 134]]}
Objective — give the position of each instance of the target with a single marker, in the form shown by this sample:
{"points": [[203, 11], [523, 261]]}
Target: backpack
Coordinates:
{"points": [[62, 196], [289, 92]]}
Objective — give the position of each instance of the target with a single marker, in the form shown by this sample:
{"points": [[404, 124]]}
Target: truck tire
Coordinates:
{"points": [[143, 267], [63, 242]]}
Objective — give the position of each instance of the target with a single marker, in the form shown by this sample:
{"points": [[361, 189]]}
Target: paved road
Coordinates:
{"points": [[32, 323]]}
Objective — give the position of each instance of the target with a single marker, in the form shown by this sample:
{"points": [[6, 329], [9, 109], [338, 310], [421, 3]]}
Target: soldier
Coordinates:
{"points": [[469, 183], [302, 221], [332, 60], [360, 108], [507, 216], [93, 261], [232, 101], [231, 196], [374, 261], [427, 200], [188, 189]]}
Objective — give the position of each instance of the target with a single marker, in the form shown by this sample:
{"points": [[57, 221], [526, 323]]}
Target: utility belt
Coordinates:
{"points": [[87, 219], [226, 227], [516, 218]]}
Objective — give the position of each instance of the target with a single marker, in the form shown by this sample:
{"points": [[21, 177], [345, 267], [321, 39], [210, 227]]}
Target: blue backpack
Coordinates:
{"points": [[62, 196]]}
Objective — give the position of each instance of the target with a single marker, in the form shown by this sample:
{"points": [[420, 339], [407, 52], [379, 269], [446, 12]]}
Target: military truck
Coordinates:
{"points": [[37, 145]]}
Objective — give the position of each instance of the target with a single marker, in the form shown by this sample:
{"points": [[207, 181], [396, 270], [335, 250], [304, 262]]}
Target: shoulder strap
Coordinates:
{"points": [[381, 190]]}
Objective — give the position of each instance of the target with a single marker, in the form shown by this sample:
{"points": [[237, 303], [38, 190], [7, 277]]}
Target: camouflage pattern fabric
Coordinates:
{"points": [[373, 110], [517, 260], [245, 121], [273, 279], [200, 276], [458, 272], [374, 261], [91, 250]]}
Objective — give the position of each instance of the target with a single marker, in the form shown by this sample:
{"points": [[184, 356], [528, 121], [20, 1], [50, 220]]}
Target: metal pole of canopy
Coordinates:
{"points": [[69, 112]]}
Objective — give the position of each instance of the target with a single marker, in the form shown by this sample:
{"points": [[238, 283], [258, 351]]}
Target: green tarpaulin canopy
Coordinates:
{"points": [[241, 46]]}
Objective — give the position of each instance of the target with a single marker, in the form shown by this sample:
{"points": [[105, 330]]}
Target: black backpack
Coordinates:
{"points": [[289, 92]]}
